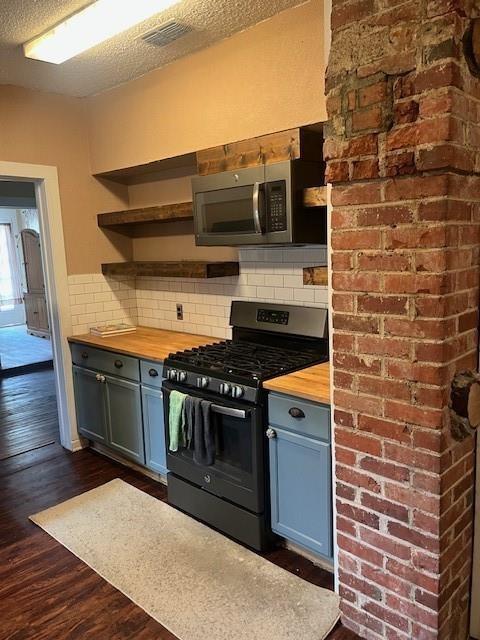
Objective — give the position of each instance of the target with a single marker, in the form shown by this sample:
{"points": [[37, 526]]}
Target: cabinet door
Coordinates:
{"points": [[300, 484], [90, 404], [154, 430], [124, 410]]}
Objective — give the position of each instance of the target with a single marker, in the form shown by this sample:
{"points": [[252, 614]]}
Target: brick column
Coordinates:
{"points": [[403, 156]]}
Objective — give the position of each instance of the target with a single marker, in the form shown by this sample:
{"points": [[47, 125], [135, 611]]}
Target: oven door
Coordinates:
{"points": [[229, 207], [238, 471]]}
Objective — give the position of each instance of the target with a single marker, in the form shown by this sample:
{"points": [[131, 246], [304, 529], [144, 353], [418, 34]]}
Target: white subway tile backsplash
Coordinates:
{"points": [[271, 275]]}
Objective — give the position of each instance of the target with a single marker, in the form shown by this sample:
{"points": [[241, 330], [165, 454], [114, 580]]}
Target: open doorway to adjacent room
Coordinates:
{"points": [[25, 343]]}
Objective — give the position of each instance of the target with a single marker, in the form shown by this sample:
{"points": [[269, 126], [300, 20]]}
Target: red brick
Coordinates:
{"points": [[386, 346], [356, 479], [384, 388], [412, 611], [384, 215], [405, 112], [424, 417], [413, 458], [356, 282], [345, 492], [420, 328], [379, 541], [344, 322], [411, 575], [358, 584], [369, 118], [385, 428], [358, 364], [358, 515], [348, 240], [337, 172], [416, 538], [347, 13], [389, 305], [385, 507], [383, 262], [412, 237], [400, 164], [385, 469], [387, 615], [343, 418], [365, 169], [410, 188], [372, 94], [411, 498], [358, 442], [386, 580], [362, 193], [360, 551]]}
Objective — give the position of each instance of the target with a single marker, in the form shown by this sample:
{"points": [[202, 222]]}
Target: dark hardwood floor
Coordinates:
{"points": [[28, 413], [46, 593]]}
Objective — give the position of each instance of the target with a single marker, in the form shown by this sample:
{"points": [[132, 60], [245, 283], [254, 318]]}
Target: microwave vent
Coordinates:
{"points": [[166, 33]]}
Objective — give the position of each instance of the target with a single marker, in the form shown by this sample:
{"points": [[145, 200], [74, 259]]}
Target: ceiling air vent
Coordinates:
{"points": [[166, 33]]}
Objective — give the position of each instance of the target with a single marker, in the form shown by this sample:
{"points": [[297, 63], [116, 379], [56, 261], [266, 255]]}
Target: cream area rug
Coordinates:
{"points": [[194, 581]]}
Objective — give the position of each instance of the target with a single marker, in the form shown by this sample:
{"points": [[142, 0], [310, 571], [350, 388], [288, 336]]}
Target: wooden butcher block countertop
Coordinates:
{"points": [[312, 383], [145, 343]]}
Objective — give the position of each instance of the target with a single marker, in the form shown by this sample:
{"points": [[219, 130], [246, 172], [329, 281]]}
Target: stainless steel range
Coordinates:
{"points": [[268, 340]]}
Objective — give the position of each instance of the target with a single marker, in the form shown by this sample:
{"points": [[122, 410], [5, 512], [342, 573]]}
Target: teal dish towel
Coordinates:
{"points": [[176, 421]]}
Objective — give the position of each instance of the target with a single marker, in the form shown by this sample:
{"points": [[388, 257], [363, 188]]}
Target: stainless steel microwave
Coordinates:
{"points": [[259, 206]]}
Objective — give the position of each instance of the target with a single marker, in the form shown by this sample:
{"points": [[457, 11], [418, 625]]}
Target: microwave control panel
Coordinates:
{"points": [[276, 205]]}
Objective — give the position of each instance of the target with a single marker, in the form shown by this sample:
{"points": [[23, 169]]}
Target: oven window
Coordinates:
{"points": [[234, 448], [227, 210]]}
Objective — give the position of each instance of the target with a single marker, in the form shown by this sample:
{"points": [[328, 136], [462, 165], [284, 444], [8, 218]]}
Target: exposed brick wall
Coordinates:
{"points": [[403, 156]]}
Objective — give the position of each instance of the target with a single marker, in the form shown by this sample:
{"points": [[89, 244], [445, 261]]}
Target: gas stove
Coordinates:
{"points": [[262, 348], [268, 340]]}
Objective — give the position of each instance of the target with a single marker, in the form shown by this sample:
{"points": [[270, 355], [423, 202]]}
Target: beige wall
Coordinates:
{"points": [[43, 128], [265, 79]]}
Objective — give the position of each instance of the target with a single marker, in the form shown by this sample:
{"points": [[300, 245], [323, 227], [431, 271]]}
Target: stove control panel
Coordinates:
{"points": [[272, 316], [211, 384]]}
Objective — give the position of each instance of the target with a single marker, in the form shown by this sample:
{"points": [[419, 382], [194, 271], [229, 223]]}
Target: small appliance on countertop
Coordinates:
{"points": [[268, 340]]}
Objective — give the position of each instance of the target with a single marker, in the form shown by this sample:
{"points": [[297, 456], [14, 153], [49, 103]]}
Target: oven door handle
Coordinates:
{"points": [[229, 411]]}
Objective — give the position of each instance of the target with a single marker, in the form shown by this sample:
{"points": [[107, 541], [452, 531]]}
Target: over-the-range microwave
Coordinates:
{"points": [[259, 206]]}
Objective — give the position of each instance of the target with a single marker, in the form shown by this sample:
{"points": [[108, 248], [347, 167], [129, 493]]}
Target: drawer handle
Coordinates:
{"points": [[84, 355], [153, 373], [118, 364], [295, 412]]}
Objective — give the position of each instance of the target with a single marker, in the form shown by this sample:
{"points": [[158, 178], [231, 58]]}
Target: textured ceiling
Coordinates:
{"points": [[123, 57]]}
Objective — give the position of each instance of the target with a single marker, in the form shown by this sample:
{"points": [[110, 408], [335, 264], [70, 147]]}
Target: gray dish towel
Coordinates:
{"points": [[198, 430]]}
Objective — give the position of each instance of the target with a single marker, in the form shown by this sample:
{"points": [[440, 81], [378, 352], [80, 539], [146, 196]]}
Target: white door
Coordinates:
{"points": [[475, 620], [12, 310]]}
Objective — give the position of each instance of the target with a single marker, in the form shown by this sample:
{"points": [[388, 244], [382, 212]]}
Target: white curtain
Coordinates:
{"points": [[10, 280]]}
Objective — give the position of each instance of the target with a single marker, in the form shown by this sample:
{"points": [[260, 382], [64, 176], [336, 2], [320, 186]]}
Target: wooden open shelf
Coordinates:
{"points": [[127, 221], [144, 172], [183, 269]]}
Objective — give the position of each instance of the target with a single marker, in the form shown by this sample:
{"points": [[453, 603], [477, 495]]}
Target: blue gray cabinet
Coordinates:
{"points": [[90, 404], [124, 418], [153, 421], [300, 472], [109, 407]]}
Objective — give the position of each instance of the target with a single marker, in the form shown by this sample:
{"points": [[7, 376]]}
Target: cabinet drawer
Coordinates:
{"points": [[151, 373], [299, 416], [115, 363]]}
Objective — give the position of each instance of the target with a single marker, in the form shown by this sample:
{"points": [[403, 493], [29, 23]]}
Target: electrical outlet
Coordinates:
{"points": [[179, 311]]}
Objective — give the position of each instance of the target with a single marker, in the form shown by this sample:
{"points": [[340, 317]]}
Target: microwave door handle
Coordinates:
{"points": [[229, 411], [256, 208]]}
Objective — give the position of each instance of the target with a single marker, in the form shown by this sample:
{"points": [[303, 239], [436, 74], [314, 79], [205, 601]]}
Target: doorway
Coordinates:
{"points": [[24, 327], [47, 199]]}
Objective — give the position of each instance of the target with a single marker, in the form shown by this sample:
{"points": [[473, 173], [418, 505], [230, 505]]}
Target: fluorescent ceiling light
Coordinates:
{"points": [[90, 26]]}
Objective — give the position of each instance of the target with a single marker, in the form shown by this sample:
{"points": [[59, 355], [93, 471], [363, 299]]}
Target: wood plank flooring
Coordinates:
{"points": [[28, 413], [46, 593]]}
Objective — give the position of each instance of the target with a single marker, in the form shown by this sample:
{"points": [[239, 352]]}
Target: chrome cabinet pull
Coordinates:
{"points": [[271, 433]]}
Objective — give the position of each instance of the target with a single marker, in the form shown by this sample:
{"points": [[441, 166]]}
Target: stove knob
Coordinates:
{"points": [[182, 376], [172, 374], [202, 383], [237, 392], [224, 389]]}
